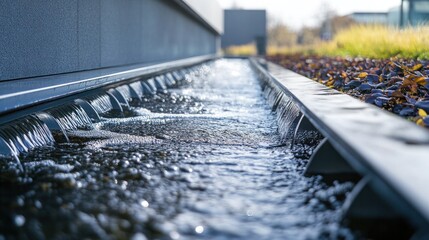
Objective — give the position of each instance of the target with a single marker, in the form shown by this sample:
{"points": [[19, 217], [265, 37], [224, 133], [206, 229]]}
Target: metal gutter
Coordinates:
{"points": [[390, 153], [24, 93]]}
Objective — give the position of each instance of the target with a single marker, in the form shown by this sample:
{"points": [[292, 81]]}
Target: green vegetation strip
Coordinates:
{"points": [[371, 41]]}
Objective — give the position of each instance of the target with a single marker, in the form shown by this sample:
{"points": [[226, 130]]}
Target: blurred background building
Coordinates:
{"points": [[369, 17], [409, 13], [243, 27]]}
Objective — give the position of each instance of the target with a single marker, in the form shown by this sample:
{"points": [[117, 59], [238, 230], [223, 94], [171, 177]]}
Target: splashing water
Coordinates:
{"points": [[101, 103], [26, 134], [71, 117], [286, 110], [221, 173], [125, 91]]}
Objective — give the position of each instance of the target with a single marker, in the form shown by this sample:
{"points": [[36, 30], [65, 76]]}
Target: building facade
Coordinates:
{"points": [[245, 26], [413, 12], [47, 37], [369, 17]]}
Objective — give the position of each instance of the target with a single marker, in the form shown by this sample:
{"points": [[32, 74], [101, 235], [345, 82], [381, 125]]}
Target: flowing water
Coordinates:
{"points": [[203, 161]]}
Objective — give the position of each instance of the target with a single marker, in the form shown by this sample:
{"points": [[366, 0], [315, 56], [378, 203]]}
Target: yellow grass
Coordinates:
{"points": [[242, 50], [370, 41], [250, 50], [301, 49]]}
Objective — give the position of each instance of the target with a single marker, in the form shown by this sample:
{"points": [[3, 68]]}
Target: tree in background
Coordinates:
{"points": [[284, 39], [329, 24], [324, 17], [279, 34], [334, 24], [341, 22], [308, 35]]}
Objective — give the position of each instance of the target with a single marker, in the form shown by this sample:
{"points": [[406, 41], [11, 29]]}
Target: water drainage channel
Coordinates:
{"points": [[193, 153]]}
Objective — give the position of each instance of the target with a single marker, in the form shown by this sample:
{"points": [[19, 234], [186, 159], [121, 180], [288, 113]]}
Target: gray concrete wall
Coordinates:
{"points": [[47, 37]]}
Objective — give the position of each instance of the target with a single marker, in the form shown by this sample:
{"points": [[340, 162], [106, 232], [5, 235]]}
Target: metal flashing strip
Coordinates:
{"points": [[388, 151], [24, 93]]}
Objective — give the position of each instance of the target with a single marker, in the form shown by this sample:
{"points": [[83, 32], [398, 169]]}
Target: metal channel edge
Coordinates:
{"points": [[365, 136], [25, 96]]}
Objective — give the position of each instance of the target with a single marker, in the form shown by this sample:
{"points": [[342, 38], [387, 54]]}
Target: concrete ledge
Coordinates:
{"points": [[24, 93], [388, 151]]}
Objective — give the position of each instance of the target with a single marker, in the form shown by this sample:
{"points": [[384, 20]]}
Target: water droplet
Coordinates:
{"points": [[199, 229], [19, 220], [20, 201], [138, 236], [37, 204], [144, 203], [174, 235]]}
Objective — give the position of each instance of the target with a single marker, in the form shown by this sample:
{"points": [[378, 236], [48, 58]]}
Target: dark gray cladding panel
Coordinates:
{"points": [[181, 35], [243, 26], [37, 37], [89, 34], [51, 37], [154, 41], [121, 32]]}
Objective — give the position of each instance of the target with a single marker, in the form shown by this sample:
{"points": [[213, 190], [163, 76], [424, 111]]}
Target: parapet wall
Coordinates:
{"points": [[47, 37]]}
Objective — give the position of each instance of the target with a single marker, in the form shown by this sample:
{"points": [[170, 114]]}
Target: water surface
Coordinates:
{"points": [[203, 161]]}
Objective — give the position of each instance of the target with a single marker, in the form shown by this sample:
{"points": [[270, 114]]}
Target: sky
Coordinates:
{"points": [[299, 13]]}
